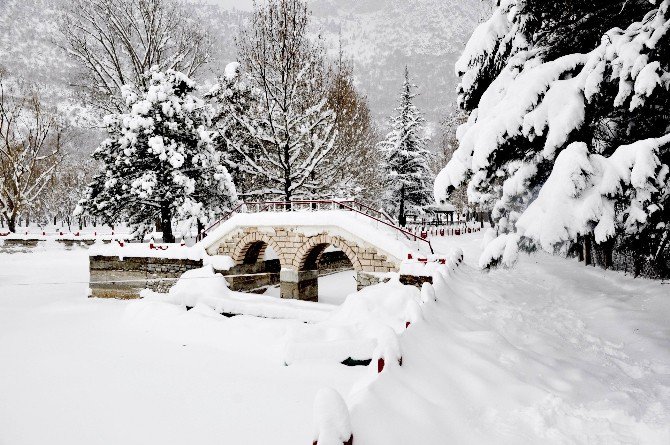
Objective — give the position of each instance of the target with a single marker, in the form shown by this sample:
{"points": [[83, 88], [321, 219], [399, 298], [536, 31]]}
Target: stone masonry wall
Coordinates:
{"points": [[124, 279], [293, 247]]}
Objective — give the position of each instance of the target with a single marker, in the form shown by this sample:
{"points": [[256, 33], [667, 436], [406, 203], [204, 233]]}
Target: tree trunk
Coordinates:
{"points": [[580, 249], [166, 223], [287, 192], [587, 250], [201, 229], [608, 248], [402, 219], [11, 223], [287, 174]]}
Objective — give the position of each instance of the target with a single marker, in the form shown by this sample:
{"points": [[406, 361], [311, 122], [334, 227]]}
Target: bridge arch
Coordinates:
{"points": [[307, 256], [300, 252], [251, 248]]}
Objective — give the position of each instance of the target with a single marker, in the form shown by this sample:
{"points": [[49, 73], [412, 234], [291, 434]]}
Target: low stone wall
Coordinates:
{"points": [[254, 283], [364, 279], [415, 280], [124, 279], [17, 242]]}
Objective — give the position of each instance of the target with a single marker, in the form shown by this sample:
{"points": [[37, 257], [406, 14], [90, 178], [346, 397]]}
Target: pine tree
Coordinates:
{"points": [[567, 135], [408, 181], [159, 161]]}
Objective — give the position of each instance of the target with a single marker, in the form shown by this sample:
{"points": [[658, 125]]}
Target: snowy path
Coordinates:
{"points": [[550, 352]]}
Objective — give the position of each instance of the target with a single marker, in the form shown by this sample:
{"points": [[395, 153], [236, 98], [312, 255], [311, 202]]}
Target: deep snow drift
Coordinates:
{"points": [[548, 352]]}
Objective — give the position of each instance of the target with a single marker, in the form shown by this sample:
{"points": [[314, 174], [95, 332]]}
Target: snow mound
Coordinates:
{"points": [[331, 418], [549, 353], [205, 287], [368, 322]]}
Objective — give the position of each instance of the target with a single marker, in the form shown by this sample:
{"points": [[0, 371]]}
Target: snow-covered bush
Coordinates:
{"points": [[159, 161], [567, 139]]}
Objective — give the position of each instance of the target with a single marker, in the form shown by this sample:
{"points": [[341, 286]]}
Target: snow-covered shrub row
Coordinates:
{"points": [[562, 145]]}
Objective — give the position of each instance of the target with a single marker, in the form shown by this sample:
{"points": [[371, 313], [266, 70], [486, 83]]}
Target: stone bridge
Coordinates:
{"points": [[299, 243]]}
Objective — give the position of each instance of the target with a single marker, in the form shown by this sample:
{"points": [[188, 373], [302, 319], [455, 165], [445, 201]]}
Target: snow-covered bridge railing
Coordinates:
{"points": [[350, 205]]}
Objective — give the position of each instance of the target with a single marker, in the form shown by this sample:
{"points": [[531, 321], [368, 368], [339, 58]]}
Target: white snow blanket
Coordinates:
{"points": [[550, 352]]}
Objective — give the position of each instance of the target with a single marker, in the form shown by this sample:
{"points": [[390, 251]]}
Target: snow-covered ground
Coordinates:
{"points": [[75, 370], [548, 352]]}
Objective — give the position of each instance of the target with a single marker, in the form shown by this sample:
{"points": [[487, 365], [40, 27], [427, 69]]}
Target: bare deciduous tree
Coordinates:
{"points": [[30, 149], [359, 174], [291, 124], [118, 41]]}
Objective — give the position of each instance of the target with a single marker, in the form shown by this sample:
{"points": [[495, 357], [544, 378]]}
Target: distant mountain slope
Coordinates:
{"points": [[384, 35], [381, 36], [27, 28]]}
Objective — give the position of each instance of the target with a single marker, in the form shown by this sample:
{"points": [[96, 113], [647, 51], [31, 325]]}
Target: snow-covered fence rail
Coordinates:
{"points": [[332, 425]]}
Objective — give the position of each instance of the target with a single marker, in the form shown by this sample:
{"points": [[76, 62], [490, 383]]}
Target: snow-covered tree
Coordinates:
{"points": [[567, 138], [447, 146], [31, 139], [233, 97], [159, 161], [290, 125], [360, 173], [117, 41], [60, 197], [406, 161]]}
